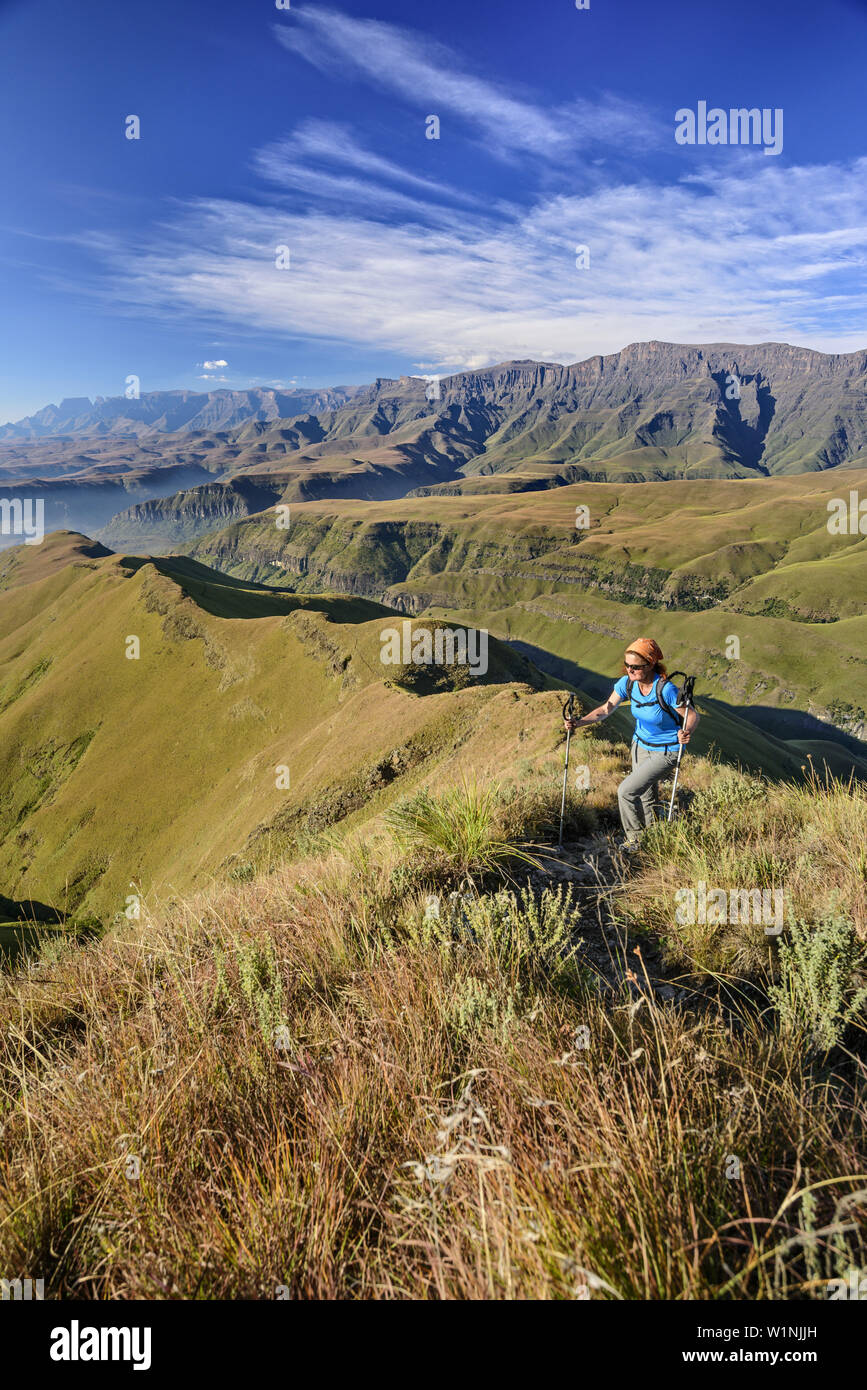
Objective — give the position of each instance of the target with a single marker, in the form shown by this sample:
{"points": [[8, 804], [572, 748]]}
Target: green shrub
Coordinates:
{"points": [[525, 939], [242, 872], [259, 983], [475, 1007], [729, 792], [818, 992], [460, 829]]}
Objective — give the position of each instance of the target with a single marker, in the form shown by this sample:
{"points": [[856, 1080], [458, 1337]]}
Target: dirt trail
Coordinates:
{"points": [[598, 868]]}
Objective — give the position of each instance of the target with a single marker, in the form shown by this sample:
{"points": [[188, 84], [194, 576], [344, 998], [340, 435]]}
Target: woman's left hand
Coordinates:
{"points": [[682, 736]]}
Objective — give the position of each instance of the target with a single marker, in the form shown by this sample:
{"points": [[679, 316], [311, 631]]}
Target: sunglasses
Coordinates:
{"points": [[640, 667]]}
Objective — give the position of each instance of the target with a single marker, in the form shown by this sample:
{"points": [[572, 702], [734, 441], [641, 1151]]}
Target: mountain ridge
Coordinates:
{"points": [[653, 412], [149, 409], [165, 411]]}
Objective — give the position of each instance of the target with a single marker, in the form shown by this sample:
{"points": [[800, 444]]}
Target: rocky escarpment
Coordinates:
{"points": [[653, 412], [188, 514], [767, 405], [376, 560]]}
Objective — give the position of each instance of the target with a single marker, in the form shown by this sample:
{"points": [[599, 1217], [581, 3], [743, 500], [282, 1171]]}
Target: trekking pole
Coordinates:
{"points": [[674, 788], [688, 684], [568, 710]]}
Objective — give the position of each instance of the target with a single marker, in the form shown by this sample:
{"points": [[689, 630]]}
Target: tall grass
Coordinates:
{"points": [[326, 1101], [459, 831], [808, 840]]}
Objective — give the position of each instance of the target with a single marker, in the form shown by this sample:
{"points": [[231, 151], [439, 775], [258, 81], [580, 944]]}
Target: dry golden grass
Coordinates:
{"points": [[327, 1098], [807, 840]]}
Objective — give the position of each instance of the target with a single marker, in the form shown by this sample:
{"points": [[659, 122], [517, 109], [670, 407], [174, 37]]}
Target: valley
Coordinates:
{"points": [[744, 568], [156, 773], [654, 412]]}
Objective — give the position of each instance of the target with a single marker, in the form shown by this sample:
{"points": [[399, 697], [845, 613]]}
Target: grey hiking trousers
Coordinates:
{"points": [[637, 793]]}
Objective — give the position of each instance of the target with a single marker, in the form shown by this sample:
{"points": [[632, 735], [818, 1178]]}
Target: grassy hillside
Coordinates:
{"points": [[747, 560], [383, 1070], [119, 772], [373, 1034]]}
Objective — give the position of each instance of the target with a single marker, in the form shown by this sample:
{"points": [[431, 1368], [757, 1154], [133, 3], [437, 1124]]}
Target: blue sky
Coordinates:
{"points": [[305, 128]]}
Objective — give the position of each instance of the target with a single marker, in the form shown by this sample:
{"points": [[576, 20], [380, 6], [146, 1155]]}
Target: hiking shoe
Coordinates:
{"points": [[628, 842]]}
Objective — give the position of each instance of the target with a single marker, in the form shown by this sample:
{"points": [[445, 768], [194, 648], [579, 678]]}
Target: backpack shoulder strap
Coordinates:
{"points": [[661, 700]]}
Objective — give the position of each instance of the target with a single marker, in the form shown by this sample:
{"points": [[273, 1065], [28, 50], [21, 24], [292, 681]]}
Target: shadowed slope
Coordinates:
{"points": [[153, 714]]}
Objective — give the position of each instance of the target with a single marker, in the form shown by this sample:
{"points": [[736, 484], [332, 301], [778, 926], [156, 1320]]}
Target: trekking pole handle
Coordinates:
{"points": [[688, 687], [569, 707]]}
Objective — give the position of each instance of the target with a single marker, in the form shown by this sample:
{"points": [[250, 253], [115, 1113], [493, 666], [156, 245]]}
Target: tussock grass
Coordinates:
{"points": [[459, 833], [330, 1090], [808, 840], [473, 832]]}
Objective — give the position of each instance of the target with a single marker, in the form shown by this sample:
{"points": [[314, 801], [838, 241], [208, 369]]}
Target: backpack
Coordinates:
{"points": [[688, 683]]}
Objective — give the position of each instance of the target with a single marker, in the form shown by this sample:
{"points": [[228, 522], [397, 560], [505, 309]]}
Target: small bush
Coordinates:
{"points": [[242, 872], [475, 1007], [460, 830], [260, 984], [817, 992], [526, 939], [728, 791]]}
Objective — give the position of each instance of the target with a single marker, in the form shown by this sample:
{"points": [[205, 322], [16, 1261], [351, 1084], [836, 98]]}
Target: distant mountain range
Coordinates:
{"points": [[655, 412], [164, 412], [650, 395]]}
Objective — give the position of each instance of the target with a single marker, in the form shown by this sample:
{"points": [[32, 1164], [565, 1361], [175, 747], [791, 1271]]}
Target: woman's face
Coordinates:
{"points": [[636, 666]]}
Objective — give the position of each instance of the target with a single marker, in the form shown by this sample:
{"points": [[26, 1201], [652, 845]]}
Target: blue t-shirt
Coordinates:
{"points": [[653, 727]]}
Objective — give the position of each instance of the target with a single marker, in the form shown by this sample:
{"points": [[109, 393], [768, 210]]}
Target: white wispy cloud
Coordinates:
{"points": [[750, 254], [432, 77], [298, 159], [736, 248]]}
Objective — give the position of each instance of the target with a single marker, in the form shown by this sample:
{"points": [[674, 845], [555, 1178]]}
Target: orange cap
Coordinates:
{"points": [[646, 647]]}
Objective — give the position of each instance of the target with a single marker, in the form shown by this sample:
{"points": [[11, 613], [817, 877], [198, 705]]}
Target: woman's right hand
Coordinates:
{"points": [[570, 725]]}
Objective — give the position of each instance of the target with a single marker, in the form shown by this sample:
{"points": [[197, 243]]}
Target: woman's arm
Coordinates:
{"points": [[596, 715]]}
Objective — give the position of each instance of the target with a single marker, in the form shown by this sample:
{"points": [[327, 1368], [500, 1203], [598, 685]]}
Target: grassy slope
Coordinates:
{"points": [[747, 559], [328, 1094], [325, 1090], [118, 772]]}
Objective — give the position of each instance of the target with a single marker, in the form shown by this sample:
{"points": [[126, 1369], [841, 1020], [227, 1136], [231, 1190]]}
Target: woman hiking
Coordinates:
{"points": [[657, 733]]}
